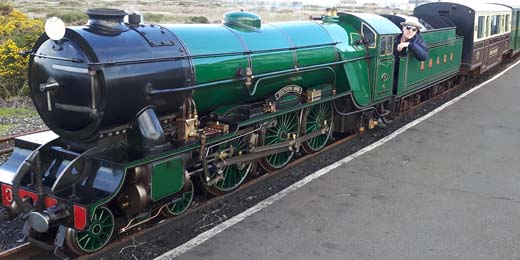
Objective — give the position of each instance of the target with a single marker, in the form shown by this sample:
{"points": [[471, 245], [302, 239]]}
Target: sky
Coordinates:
{"points": [[336, 2]]}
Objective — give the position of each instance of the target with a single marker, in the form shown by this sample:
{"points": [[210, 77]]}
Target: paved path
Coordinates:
{"points": [[448, 188]]}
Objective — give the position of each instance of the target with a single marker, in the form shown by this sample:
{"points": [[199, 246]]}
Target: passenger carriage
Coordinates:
{"points": [[486, 29], [514, 39]]}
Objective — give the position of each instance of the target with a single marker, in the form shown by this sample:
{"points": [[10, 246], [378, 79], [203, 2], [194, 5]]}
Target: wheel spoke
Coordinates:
{"points": [[273, 130], [87, 243], [287, 126], [311, 128], [105, 219], [293, 126], [311, 117], [272, 158], [235, 176], [85, 235], [273, 141], [278, 159], [316, 117], [271, 136], [290, 122], [179, 205], [286, 119]]}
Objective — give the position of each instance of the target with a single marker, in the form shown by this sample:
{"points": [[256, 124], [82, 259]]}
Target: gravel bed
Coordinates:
{"points": [[187, 226], [10, 231], [17, 125]]}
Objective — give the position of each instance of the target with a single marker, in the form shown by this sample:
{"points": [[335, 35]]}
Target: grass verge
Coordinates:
{"points": [[4, 129], [17, 112]]}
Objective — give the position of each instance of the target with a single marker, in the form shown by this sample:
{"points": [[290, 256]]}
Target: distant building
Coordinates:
{"points": [[406, 7], [371, 5], [418, 2], [382, 3], [348, 2]]}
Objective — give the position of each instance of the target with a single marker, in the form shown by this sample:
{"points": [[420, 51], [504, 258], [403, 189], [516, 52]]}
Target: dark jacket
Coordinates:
{"points": [[417, 46]]}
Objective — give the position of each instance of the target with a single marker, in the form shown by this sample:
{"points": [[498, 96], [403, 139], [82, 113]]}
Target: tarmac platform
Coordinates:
{"points": [[447, 188]]}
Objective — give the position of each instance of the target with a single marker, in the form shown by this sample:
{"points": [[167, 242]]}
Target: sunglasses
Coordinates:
{"points": [[410, 28]]}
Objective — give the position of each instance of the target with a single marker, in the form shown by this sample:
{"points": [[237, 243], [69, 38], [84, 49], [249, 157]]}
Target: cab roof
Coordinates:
{"points": [[479, 8], [380, 24], [514, 7]]}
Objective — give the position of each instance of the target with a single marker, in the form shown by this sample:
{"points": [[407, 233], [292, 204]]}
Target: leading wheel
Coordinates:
{"points": [[180, 205], [281, 129], [95, 237], [317, 118]]}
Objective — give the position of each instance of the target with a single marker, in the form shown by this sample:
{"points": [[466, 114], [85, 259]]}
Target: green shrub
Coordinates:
{"points": [[197, 19], [70, 17], [17, 33], [153, 18]]}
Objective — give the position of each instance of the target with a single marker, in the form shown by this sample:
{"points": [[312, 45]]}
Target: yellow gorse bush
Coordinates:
{"points": [[18, 32]]}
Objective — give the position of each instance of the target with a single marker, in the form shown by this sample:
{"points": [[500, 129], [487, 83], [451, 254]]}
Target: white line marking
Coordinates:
{"points": [[201, 238]]}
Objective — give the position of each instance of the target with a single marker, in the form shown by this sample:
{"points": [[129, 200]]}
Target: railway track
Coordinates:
{"points": [[6, 143], [26, 251]]}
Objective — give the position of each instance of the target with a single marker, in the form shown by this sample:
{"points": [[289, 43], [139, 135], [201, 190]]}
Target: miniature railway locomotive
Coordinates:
{"points": [[139, 111]]}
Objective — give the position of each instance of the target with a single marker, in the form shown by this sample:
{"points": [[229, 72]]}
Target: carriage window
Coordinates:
{"points": [[480, 27], [495, 24], [507, 23], [502, 24], [369, 36], [488, 23]]}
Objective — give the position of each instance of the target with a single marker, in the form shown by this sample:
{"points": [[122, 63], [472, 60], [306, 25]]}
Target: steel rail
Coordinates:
{"points": [[15, 251], [12, 137]]}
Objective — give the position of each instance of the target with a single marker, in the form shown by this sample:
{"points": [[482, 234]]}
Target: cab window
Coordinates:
{"points": [[390, 45], [369, 36], [382, 45], [386, 45]]}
